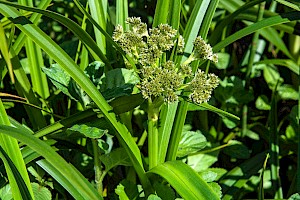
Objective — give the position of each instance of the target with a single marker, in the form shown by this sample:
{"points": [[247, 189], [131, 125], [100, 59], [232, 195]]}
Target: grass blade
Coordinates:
{"points": [[81, 188], [11, 148], [75, 28], [185, 180], [11, 168], [99, 13], [278, 19]]}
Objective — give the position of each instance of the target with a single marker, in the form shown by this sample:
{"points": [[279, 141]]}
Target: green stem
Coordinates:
{"points": [[153, 113], [274, 142], [177, 130], [98, 168]]}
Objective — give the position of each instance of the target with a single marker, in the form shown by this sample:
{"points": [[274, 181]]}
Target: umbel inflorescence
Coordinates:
{"points": [[164, 78]]}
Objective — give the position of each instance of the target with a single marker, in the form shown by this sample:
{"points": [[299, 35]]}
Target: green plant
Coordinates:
{"points": [[134, 101]]}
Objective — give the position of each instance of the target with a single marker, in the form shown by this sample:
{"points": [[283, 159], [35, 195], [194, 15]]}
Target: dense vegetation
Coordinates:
{"points": [[149, 99]]}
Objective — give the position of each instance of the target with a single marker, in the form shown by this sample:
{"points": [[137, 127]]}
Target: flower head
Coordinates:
{"points": [[202, 50], [202, 86], [161, 81]]}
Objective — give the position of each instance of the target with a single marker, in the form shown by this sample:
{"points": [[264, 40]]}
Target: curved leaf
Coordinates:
{"points": [[75, 28], [78, 186], [271, 21], [185, 180]]}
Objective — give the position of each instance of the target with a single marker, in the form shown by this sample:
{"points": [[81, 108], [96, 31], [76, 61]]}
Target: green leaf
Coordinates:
{"points": [[232, 90], [184, 180], [295, 196], [237, 150], [218, 171], [229, 123], [200, 162], [191, 142], [262, 103], [118, 82], [287, 92], [73, 181], [272, 76], [88, 131], [131, 189], [12, 169], [59, 78], [5, 193], [208, 176], [164, 191], [126, 103], [206, 106], [41, 192], [95, 71], [115, 158], [290, 64], [223, 60], [120, 191], [236, 178], [153, 197], [75, 28], [271, 21], [216, 188]]}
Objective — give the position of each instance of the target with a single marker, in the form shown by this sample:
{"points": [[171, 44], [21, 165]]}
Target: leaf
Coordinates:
{"points": [[295, 196], [229, 123], [95, 71], [287, 92], [126, 103], [184, 180], [236, 178], [272, 76], [118, 82], [208, 176], [200, 162], [223, 60], [68, 176], [251, 134], [206, 106], [216, 188], [88, 131], [115, 158], [290, 64], [164, 191], [237, 150], [191, 142], [41, 192], [262, 103], [131, 189], [232, 91], [120, 191], [218, 171], [5, 193], [153, 197], [59, 78]]}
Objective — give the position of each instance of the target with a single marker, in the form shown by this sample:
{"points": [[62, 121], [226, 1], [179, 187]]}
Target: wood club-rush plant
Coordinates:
{"points": [[109, 99]]}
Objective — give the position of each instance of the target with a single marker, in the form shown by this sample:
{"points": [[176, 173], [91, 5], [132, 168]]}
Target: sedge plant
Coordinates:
{"points": [[130, 88]]}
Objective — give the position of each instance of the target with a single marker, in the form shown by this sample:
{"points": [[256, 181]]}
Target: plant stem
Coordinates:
{"points": [[177, 130], [274, 146], [153, 113], [97, 166]]}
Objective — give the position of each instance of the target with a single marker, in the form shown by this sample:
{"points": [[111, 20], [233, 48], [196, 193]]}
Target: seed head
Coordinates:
{"points": [[202, 86]]}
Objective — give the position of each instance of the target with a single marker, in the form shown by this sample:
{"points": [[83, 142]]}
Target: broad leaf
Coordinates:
{"points": [[191, 142]]}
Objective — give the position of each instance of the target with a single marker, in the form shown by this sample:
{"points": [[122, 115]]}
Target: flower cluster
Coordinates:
{"points": [[164, 78], [202, 86], [161, 81], [203, 51]]}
